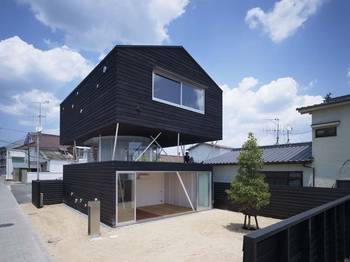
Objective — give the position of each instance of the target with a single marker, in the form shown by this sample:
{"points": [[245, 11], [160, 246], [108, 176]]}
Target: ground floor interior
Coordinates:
{"points": [[151, 195]]}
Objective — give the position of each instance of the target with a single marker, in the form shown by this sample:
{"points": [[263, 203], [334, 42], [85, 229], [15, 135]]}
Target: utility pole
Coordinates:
{"points": [[38, 133]]}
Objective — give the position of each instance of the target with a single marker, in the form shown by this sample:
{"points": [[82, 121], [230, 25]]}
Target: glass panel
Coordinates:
{"points": [[167, 89], [295, 179], [126, 197], [325, 132], [192, 97], [276, 178], [203, 190]]}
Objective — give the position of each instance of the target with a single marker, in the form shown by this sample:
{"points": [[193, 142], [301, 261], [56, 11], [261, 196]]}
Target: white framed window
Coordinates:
{"points": [[172, 91]]}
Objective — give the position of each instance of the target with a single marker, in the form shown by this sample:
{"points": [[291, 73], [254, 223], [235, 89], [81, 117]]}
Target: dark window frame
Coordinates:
{"points": [[182, 82], [288, 178], [329, 131]]}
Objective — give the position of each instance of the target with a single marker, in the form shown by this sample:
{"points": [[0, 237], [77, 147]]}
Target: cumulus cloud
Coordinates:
{"points": [[24, 65], [250, 106], [98, 25], [29, 75], [284, 19], [25, 106], [348, 74]]}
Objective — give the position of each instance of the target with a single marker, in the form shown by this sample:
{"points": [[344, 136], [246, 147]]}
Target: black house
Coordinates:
{"points": [[135, 102]]}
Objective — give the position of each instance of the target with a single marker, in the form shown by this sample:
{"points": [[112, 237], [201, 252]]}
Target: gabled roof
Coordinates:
{"points": [[47, 141], [331, 102], [210, 144], [55, 155], [274, 154]]}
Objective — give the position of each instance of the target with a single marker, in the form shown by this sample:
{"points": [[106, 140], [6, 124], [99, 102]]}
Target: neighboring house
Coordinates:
{"points": [[203, 151], [330, 141], [21, 156], [136, 101], [12, 161], [287, 165]]}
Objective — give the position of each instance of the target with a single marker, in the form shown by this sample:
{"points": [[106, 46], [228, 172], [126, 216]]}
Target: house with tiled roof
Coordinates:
{"points": [[286, 165], [330, 141]]}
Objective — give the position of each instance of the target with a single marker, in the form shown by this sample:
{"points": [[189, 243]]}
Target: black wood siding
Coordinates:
{"points": [[285, 201], [90, 181], [52, 190], [125, 96], [98, 104], [318, 234], [134, 79], [97, 180]]}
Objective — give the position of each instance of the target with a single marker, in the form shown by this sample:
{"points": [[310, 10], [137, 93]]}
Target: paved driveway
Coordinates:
{"points": [[18, 241], [22, 192]]}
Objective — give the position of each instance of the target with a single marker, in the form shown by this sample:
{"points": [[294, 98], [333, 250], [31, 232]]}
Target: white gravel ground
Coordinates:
{"points": [[213, 235]]}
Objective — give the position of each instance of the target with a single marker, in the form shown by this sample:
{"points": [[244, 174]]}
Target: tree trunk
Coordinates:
{"points": [[256, 221]]}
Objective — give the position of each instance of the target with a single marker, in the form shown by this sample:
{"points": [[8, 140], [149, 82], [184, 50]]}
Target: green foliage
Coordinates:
{"points": [[248, 188]]}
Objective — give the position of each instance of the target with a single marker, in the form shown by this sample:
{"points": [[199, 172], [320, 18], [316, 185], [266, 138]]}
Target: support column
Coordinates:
{"points": [[184, 188], [178, 144], [115, 141], [99, 148], [148, 146]]}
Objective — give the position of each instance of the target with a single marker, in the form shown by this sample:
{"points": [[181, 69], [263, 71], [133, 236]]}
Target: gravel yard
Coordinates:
{"points": [[213, 235]]}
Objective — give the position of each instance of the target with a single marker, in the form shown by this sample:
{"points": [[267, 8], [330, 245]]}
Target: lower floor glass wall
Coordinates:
{"points": [[149, 195]]}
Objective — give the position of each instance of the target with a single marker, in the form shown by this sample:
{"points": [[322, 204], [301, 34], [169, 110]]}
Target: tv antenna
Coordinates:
{"points": [[276, 131]]}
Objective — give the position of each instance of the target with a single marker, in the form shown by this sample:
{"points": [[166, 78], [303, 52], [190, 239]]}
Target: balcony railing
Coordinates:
{"points": [[319, 234]]}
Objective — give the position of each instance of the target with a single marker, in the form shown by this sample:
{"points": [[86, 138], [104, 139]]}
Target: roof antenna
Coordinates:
{"points": [[277, 130]]}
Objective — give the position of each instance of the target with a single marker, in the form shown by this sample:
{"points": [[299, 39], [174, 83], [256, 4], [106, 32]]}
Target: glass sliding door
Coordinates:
{"points": [[126, 207], [203, 190]]}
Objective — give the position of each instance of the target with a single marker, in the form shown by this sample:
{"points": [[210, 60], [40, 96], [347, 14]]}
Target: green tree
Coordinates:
{"points": [[248, 189]]}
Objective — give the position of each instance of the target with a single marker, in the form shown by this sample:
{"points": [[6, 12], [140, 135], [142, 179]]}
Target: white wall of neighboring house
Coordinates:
{"points": [[30, 176], [203, 152], [57, 165], [332, 154], [10, 165], [225, 173]]}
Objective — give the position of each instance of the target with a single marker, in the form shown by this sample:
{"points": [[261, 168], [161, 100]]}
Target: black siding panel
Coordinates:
{"points": [[296, 199], [125, 96], [134, 79], [52, 190], [97, 180], [85, 182]]}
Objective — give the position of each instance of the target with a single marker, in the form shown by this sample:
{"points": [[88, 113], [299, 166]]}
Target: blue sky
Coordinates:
{"points": [[269, 57]]}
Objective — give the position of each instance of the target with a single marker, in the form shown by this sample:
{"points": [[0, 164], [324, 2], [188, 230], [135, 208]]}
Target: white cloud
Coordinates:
{"points": [[25, 106], [24, 65], [348, 74], [284, 19], [99, 25], [248, 107]]}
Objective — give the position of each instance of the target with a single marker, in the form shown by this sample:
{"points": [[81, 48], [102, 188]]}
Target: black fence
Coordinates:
{"points": [[285, 201], [319, 234], [52, 192]]}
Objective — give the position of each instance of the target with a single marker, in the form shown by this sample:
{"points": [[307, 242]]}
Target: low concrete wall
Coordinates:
{"points": [[30, 176]]}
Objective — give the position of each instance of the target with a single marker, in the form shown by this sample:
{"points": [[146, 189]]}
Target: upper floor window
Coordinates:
{"points": [[178, 93], [326, 131]]}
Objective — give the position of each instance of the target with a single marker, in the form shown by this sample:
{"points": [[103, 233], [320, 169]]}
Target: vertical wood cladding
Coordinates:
{"points": [[296, 199], [97, 180], [125, 95]]}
